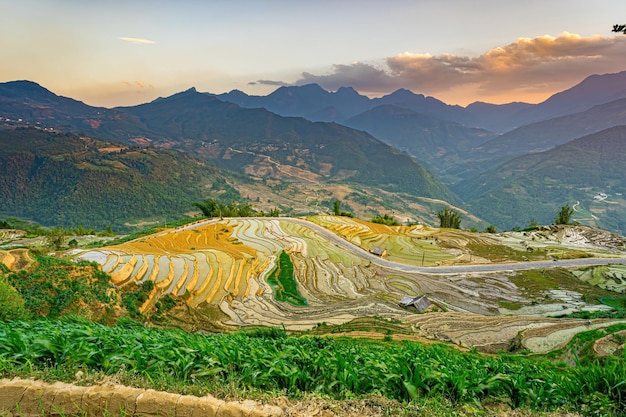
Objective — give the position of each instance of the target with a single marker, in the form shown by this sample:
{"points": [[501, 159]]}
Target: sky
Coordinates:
{"points": [[115, 53]]}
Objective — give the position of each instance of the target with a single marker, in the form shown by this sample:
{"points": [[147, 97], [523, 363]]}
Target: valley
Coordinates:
{"points": [[294, 306], [234, 287]]}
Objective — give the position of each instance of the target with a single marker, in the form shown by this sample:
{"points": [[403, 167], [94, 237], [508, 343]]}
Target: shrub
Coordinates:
{"points": [[11, 302]]}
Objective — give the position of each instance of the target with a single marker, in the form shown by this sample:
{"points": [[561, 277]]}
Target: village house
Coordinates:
{"points": [[420, 303], [378, 251]]}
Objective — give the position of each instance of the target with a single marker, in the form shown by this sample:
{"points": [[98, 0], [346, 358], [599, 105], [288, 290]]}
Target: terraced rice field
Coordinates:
{"points": [[612, 277], [414, 245], [502, 333], [226, 263], [15, 258]]}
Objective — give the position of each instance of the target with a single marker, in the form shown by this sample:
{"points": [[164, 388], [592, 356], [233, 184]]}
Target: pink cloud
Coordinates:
{"points": [[520, 70]]}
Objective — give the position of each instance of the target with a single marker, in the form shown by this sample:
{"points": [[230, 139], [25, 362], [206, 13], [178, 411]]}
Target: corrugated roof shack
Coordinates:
{"points": [[420, 303], [378, 251]]}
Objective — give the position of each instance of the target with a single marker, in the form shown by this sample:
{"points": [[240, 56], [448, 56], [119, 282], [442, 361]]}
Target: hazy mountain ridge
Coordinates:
{"points": [[266, 146], [588, 173], [545, 135], [590, 106], [314, 103], [593, 90], [241, 139], [440, 145]]}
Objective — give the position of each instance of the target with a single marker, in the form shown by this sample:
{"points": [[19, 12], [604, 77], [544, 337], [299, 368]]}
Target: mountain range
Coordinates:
{"points": [[390, 153], [313, 102]]}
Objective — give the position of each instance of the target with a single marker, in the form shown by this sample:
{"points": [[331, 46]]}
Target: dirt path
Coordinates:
{"points": [[24, 398], [31, 398]]}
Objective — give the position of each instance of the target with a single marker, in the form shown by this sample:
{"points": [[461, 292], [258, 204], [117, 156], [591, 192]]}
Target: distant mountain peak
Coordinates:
{"points": [[347, 92], [24, 87], [311, 87], [403, 92], [23, 83], [237, 93]]}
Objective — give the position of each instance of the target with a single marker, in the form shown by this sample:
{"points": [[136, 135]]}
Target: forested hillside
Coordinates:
{"points": [[68, 180], [588, 173]]}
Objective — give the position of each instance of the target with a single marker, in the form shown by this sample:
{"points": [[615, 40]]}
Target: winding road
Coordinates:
{"points": [[433, 270], [456, 269]]}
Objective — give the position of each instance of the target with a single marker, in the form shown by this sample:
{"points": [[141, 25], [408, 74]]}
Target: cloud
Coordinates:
{"points": [[528, 67], [269, 82], [359, 75], [137, 40], [138, 83]]}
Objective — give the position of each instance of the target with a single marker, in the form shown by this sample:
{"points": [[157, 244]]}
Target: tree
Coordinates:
{"points": [[564, 216], [385, 219], [449, 219], [56, 238], [619, 28], [337, 210], [337, 207], [275, 212], [207, 207], [491, 229]]}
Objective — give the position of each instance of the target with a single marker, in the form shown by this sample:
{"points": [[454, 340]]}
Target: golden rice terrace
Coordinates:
{"points": [[300, 273]]}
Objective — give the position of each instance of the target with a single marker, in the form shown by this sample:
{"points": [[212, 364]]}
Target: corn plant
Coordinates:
{"points": [[296, 365]]}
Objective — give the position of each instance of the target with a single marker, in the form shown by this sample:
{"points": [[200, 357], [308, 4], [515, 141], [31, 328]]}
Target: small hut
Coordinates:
{"points": [[378, 251], [420, 303]]}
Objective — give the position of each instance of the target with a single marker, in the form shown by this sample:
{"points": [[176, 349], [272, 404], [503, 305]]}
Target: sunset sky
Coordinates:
{"points": [[113, 53]]}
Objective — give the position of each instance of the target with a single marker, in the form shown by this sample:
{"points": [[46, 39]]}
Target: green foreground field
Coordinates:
{"points": [[270, 362]]}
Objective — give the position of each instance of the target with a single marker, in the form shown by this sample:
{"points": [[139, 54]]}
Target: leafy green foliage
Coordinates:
{"points": [[56, 238], [54, 287], [385, 219], [337, 209], [211, 208], [491, 229], [618, 303], [564, 216], [67, 181], [338, 368], [133, 299], [449, 219], [11, 302], [284, 283]]}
